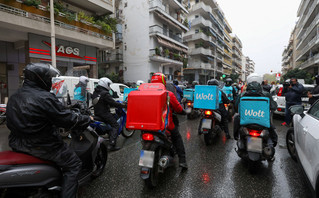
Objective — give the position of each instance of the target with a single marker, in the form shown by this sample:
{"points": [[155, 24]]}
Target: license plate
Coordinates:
{"points": [[206, 124], [254, 144], [146, 159], [188, 110]]}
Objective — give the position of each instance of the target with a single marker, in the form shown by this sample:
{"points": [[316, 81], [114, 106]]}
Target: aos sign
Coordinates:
{"points": [[68, 50]]}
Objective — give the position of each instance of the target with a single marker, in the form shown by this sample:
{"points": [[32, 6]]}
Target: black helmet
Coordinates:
{"points": [[213, 82], [228, 81], [195, 83], [175, 82], [41, 74]]}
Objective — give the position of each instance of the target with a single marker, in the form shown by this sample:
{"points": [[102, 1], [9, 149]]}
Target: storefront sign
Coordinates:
{"points": [[40, 47]]}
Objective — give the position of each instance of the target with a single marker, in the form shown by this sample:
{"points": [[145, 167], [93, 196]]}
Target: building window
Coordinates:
{"points": [[196, 31], [196, 16], [125, 4], [197, 1]]}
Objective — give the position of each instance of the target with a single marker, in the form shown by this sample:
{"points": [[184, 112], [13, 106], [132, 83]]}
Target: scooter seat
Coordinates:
{"points": [[14, 158]]}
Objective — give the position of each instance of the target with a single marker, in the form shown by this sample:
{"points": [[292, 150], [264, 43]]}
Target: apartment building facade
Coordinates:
{"points": [[289, 54], [237, 55], [25, 37], [153, 38], [228, 50], [307, 37], [205, 41]]}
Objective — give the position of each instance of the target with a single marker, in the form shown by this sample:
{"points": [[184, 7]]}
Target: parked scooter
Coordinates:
{"points": [[210, 125], [34, 177]]}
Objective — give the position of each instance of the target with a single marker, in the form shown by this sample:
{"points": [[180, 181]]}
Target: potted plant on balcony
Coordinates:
{"points": [[171, 55], [185, 23], [166, 53], [157, 51]]}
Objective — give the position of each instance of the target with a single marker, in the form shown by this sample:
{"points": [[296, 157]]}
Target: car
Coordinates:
{"points": [[279, 97], [303, 142]]}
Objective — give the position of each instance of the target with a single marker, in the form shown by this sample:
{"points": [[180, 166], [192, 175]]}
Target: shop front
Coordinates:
{"points": [[73, 59]]}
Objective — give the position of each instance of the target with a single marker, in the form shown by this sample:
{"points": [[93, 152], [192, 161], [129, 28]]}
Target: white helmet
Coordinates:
{"points": [[254, 77], [139, 82], [105, 82], [84, 79]]}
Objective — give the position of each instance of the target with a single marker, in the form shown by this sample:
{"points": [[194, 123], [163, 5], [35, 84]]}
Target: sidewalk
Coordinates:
{"points": [[4, 132]]}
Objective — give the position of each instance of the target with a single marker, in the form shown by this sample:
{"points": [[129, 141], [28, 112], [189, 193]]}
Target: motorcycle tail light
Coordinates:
{"points": [[254, 133], [208, 113], [148, 137], [189, 104], [226, 105], [279, 109]]}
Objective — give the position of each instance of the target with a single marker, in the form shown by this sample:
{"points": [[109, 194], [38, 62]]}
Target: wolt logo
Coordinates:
{"points": [[203, 96], [251, 112]]}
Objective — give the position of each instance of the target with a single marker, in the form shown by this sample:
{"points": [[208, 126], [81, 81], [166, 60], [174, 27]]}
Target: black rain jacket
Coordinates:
{"points": [[33, 115]]}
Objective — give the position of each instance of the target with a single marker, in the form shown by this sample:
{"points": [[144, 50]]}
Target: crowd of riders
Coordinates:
{"points": [[34, 114]]}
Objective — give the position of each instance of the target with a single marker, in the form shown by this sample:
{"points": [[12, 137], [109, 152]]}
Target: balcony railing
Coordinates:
{"points": [[43, 16], [201, 20], [172, 58], [118, 37], [156, 29], [309, 62], [311, 9], [203, 6], [308, 46], [309, 29], [201, 50], [157, 5]]}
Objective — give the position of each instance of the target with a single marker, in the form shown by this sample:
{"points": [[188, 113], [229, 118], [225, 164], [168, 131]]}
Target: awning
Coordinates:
{"points": [[170, 45]]}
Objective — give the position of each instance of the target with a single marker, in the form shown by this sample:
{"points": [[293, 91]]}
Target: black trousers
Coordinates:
{"points": [[66, 159], [272, 130], [224, 115], [109, 118], [178, 141]]}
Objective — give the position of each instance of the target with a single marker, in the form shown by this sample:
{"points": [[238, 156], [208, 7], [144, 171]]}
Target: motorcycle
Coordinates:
{"points": [[189, 107], [157, 154], [103, 128], [210, 125], [254, 144], [22, 175], [230, 109]]}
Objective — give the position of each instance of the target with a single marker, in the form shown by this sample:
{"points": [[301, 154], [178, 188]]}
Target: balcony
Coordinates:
{"points": [[114, 57], [313, 42], [199, 36], [166, 58], [177, 5], [311, 9], [202, 51], [157, 7], [201, 20], [118, 37], [201, 8], [228, 62], [98, 6], [158, 30], [40, 20], [311, 61], [308, 30]]}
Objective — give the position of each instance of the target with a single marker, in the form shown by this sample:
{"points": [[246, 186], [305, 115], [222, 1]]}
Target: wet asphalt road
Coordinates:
{"points": [[214, 171]]}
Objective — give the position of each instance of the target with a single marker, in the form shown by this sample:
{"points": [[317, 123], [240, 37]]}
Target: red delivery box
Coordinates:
{"points": [[147, 108]]}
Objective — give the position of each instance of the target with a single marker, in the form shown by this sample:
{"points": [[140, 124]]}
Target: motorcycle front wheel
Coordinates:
{"points": [[100, 160]]}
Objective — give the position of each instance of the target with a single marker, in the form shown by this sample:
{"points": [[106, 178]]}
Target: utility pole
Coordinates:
{"points": [[53, 55]]}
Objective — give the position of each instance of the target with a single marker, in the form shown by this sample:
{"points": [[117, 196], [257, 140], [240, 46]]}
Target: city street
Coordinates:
{"points": [[214, 171]]}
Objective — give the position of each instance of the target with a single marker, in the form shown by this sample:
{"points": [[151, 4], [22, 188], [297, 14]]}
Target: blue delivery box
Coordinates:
{"points": [[188, 94], [254, 110], [206, 97], [127, 91]]}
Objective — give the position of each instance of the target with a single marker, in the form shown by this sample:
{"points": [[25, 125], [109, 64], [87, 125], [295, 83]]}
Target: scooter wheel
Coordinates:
{"points": [[127, 133], [100, 160]]}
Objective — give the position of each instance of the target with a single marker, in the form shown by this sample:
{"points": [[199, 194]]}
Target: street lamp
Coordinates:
{"points": [[53, 55]]}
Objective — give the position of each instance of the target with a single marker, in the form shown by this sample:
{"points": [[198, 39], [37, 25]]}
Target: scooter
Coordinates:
{"points": [[210, 125], [254, 144], [189, 107], [156, 155], [23, 175]]}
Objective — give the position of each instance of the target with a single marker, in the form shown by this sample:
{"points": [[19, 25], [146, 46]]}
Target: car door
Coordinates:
{"points": [[311, 146]]}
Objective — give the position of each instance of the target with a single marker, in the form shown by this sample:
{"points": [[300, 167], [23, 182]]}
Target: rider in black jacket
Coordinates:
{"points": [[314, 95], [33, 115], [102, 109]]}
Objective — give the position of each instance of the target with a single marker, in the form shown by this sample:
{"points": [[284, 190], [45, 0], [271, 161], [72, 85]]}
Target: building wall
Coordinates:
{"points": [[136, 41]]}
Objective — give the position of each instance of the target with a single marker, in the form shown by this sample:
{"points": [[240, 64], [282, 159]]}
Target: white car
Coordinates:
{"points": [[279, 97], [303, 142]]}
